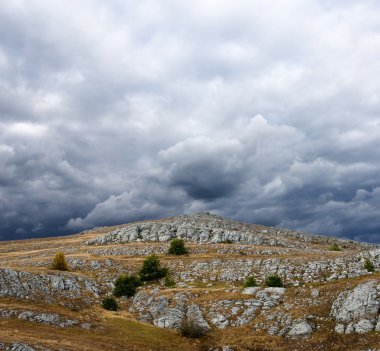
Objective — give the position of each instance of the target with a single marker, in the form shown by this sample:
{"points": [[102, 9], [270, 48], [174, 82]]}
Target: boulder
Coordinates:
{"points": [[357, 310], [195, 316], [300, 329]]}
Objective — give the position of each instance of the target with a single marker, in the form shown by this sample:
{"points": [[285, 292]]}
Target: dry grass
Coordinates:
{"points": [[118, 331]]}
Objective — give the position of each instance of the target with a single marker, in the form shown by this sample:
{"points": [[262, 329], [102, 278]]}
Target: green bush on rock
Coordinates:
{"points": [[335, 247], [274, 281], [109, 303], [152, 270], [177, 247], [368, 265], [126, 285], [250, 282]]}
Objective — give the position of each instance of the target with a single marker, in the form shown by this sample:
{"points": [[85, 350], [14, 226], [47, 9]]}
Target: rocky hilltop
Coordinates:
{"points": [[329, 298]]}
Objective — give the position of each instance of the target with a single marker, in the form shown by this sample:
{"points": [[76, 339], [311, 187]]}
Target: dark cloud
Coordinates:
{"points": [[205, 169], [262, 111]]}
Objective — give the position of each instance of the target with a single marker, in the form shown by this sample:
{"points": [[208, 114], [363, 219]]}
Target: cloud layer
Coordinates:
{"points": [[263, 111]]}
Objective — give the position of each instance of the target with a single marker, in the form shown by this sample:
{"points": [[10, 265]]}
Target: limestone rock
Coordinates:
{"points": [[19, 347], [195, 316], [169, 318], [22, 284], [166, 312], [205, 228], [357, 310], [250, 291], [220, 321], [301, 329]]}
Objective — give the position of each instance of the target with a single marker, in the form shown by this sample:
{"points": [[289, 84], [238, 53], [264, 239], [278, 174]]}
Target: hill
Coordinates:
{"points": [[329, 298]]}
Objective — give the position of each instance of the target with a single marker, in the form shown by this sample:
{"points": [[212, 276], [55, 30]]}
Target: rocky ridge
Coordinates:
{"points": [[209, 228]]}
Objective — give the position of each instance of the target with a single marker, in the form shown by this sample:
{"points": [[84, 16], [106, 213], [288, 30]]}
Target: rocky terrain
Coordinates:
{"points": [[330, 299]]}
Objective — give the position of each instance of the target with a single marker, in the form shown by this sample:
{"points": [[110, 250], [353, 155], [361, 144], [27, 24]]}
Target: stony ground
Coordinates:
{"points": [[330, 301]]}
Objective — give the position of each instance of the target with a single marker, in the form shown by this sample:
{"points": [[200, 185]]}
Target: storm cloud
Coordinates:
{"points": [[262, 111]]}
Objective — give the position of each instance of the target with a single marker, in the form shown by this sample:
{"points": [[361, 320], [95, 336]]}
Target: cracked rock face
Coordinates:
{"points": [[358, 310], [33, 286], [165, 312], [171, 312], [205, 228]]}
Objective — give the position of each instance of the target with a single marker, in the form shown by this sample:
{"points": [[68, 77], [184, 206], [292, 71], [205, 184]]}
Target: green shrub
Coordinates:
{"points": [[177, 247], [110, 304], [126, 285], [249, 282], [274, 281], [227, 241], [190, 330], [152, 270], [368, 265], [59, 262], [335, 247], [169, 282]]}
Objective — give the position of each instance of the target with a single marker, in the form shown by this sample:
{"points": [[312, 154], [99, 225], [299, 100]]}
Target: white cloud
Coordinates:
{"points": [[26, 129]]}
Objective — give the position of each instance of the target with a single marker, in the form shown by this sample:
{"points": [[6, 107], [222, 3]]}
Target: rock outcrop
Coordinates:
{"points": [[207, 228], [167, 312], [358, 310], [45, 287]]}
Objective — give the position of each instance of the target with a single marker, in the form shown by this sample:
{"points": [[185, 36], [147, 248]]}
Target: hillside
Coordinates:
{"points": [[329, 301]]}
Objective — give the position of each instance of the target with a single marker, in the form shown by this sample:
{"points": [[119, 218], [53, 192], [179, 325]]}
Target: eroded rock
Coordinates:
{"points": [[357, 310]]}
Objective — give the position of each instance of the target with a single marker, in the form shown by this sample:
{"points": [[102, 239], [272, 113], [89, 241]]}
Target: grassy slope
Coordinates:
{"points": [[117, 331]]}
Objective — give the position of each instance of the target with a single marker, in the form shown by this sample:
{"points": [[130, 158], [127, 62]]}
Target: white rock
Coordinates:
{"points": [[195, 316], [339, 328], [364, 326], [170, 318], [250, 290], [300, 330], [358, 308], [220, 321]]}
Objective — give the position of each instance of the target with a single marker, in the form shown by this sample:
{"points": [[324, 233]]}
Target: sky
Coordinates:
{"points": [[264, 111]]}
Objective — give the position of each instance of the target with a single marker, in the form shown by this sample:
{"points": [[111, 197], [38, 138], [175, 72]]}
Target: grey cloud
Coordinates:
{"points": [[206, 169], [130, 110]]}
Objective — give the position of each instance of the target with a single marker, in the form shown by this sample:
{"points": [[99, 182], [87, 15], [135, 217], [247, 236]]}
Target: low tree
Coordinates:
{"points": [[368, 265], [151, 269], [59, 262], [109, 303], [177, 247], [274, 281], [250, 282], [126, 285]]}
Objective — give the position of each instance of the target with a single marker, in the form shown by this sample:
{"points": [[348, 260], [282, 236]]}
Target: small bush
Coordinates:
{"points": [[126, 285], [227, 241], [109, 303], [274, 281], [249, 282], [335, 247], [177, 247], [190, 330], [152, 270], [368, 265], [169, 282], [59, 262]]}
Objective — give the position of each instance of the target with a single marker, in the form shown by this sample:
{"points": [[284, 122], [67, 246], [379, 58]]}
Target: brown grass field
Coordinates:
{"points": [[122, 331]]}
